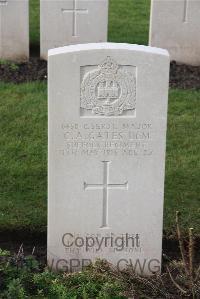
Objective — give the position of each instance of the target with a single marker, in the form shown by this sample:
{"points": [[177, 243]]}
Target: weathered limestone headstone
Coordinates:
{"points": [[14, 29], [107, 132], [175, 26], [66, 22]]}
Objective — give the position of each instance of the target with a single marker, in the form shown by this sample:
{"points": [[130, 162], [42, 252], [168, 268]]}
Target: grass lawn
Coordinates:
{"points": [[182, 188], [23, 168], [34, 22], [128, 21], [23, 141]]}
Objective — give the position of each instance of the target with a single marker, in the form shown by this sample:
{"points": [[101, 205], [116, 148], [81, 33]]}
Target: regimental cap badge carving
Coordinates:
{"points": [[108, 90]]}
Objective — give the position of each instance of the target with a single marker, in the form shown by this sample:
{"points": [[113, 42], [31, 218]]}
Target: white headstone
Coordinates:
{"points": [[14, 29], [66, 22], [107, 132], [175, 26]]}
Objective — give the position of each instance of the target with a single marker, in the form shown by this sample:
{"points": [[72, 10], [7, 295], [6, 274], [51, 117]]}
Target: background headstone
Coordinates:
{"points": [[107, 133], [68, 22], [14, 29], [175, 26]]}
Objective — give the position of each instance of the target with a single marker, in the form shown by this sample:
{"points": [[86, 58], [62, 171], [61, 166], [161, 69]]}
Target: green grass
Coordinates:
{"points": [[128, 21], [182, 188], [23, 168], [23, 141], [35, 22]]}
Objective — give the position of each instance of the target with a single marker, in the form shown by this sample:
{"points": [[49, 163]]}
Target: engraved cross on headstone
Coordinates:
{"points": [[75, 12], [3, 2], [106, 186], [185, 13]]}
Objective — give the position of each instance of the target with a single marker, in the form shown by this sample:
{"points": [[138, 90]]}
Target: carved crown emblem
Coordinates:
{"points": [[109, 89], [108, 66]]}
